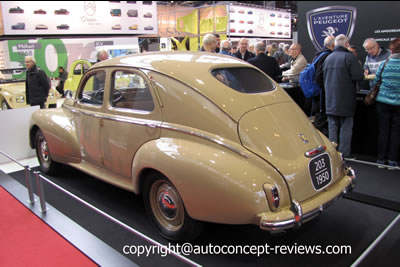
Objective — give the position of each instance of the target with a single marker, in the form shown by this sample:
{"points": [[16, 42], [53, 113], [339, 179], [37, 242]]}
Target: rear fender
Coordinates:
{"points": [[215, 183]]}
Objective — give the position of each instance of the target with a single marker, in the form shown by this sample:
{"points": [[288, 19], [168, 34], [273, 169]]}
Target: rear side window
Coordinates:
{"points": [[244, 80]]}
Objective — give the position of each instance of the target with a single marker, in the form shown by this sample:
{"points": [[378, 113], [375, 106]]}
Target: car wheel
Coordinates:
{"points": [[4, 105], [47, 165], [167, 211]]}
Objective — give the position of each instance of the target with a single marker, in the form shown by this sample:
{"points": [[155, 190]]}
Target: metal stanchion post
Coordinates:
{"points": [[28, 183], [39, 184]]}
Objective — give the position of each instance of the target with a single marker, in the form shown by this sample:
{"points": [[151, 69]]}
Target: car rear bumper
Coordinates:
{"points": [[300, 213]]}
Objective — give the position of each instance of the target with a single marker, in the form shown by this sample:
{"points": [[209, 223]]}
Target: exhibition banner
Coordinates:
{"points": [[52, 53], [256, 22], [330, 20], [79, 17]]}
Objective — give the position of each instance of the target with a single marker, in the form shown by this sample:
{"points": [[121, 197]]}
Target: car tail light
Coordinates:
{"points": [[272, 193], [315, 151]]}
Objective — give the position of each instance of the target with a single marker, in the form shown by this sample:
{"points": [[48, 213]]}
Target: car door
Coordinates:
{"points": [[89, 117], [134, 117], [77, 70]]}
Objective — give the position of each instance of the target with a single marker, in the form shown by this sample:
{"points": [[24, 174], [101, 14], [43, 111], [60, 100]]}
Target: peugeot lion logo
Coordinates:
{"points": [[304, 138], [331, 20]]}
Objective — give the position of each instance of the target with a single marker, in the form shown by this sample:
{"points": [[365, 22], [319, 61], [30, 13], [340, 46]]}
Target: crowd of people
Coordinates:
{"points": [[337, 73]]}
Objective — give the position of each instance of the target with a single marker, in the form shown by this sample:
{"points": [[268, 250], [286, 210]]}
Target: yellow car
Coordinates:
{"points": [[76, 71], [203, 137], [12, 93], [133, 27]]}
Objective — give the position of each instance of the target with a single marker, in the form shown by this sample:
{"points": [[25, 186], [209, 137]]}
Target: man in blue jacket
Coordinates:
{"points": [[341, 71]]}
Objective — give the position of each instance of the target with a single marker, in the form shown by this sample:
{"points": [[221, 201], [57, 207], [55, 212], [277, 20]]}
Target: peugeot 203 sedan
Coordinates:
{"points": [[203, 137]]}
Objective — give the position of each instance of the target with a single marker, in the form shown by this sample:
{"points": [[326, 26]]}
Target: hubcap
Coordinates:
{"points": [[167, 205], [44, 153]]}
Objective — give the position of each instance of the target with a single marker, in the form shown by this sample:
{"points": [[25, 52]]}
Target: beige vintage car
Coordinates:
{"points": [[203, 137], [12, 95]]}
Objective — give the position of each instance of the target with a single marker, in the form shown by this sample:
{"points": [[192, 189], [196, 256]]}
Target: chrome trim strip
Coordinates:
{"points": [[159, 124], [214, 140]]}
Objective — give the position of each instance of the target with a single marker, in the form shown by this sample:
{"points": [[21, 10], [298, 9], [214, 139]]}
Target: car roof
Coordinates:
{"points": [[194, 69]]}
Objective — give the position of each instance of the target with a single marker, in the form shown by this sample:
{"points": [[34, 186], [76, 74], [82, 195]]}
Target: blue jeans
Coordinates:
{"points": [[340, 132]]}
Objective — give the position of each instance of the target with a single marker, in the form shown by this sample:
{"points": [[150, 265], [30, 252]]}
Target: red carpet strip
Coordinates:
{"points": [[25, 240]]}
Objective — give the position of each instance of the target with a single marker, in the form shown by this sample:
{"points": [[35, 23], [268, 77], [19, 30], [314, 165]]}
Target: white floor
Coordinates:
{"points": [[13, 167]]}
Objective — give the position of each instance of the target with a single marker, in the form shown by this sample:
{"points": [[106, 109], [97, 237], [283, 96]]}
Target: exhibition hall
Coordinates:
{"points": [[199, 133]]}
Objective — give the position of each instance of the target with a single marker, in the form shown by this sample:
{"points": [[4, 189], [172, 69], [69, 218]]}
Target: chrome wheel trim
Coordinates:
{"points": [[4, 105], [44, 155], [166, 205]]}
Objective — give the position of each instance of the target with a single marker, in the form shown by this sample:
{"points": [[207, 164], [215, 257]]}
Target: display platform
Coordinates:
{"points": [[349, 223]]}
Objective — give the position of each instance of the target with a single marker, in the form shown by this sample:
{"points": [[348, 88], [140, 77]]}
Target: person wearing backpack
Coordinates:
{"points": [[318, 104], [341, 71], [308, 80]]}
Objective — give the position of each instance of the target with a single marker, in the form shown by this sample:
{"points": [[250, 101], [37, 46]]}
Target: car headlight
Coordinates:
{"points": [[272, 193], [51, 95], [20, 99]]}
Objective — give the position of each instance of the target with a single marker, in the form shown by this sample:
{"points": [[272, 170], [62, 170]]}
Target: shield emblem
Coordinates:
{"points": [[331, 20]]}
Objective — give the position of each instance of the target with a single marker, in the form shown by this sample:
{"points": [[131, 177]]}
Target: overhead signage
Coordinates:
{"points": [[331, 20]]}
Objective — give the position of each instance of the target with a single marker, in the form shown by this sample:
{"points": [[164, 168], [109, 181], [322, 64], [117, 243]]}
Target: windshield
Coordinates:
{"points": [[244, 80]]}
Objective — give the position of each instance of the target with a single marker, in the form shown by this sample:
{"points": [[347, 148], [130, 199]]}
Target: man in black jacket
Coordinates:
{"points": [[243, 52], [341, 71], [37, 84], [265, 63], [318, 102]]}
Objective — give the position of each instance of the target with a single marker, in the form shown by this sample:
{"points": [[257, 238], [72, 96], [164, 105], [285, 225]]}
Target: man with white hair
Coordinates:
{"points": [[209, 43], [297, 64], [265, 63], [376, 55], [341, 70], [226, 47], [37, 84], [243, 52], [318, 104]]}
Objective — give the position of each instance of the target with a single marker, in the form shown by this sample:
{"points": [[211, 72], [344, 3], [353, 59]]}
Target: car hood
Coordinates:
{"points": [[281, 134], [14, 88]]}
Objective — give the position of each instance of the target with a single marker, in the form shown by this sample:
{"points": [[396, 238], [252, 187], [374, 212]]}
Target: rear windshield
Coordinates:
{"points": [[244, 80]]}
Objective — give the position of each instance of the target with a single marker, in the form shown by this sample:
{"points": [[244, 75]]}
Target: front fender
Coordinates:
{"points": [[216, 184], [59, 130]]}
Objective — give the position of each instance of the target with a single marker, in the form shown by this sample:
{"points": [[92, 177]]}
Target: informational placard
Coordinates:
{"points": [[79, 17], [252, 22]]}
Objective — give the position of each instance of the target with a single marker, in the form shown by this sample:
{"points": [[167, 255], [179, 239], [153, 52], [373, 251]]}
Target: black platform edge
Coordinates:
{"points": [[98, 251], [374, 201]]}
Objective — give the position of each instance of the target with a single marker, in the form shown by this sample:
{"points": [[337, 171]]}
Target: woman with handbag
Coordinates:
{"points": [[388, 108]]}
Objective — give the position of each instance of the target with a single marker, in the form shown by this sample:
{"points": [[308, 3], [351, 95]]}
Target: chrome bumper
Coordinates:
{"points": [[298, 217]]}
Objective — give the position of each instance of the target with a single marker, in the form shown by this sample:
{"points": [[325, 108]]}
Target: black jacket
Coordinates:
{"points": [[319, 73], [37, 86], [341, 71], [247, 55], [267, 64]]}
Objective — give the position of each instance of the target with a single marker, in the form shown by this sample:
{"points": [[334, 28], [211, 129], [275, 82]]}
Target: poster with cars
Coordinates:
{"points": [[79, 17], [252, 22]]}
